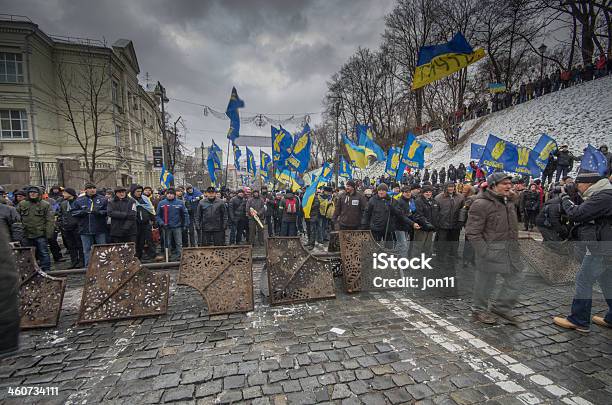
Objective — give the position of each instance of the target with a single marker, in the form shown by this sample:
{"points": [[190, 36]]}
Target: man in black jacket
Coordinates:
{"points": [[565, 161], [381, 215], [9, 301], [406, 205], [70, 229], [211, 219], [122, 213], [237, 214], [594, 219]]}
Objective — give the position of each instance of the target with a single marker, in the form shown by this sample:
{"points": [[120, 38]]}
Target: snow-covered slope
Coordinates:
{"points": [[577, 116]]}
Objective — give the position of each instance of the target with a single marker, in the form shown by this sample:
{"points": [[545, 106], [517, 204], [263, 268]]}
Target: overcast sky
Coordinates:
{"points": [[278, 53]]}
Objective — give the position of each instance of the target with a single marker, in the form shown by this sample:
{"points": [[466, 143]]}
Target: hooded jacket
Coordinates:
{"points": [[289, 200], [237, 209], [449, 207], [428, 210], [382, 213], [593, 217], [11, 222], [172, 213], [492, 228]]}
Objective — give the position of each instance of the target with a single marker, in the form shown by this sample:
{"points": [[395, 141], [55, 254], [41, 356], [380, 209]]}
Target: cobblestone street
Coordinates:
{"points": [[387, 348]]}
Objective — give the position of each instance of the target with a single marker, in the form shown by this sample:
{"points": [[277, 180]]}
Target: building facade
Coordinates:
{"points": [[75, 108]]}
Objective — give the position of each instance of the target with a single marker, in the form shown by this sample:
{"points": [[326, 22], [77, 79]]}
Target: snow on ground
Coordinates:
{"points": [[577, 116]]}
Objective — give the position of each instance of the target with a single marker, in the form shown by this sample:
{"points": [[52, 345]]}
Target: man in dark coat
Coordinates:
{"points": [[38, 223], [122, 213], [530, 201], [9, 301], [381, 216], [90, 209], [604, 149], [565, 161], [492, 228], [594, 219], [349, 208], [461, 172], [70, 228], [238, 217], [211, 219], [145, 213], [442, 175], [434, 177], [452, 173], [290, 206], [256, 205]]}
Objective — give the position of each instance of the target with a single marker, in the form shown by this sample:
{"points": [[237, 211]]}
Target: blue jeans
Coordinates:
{"points": [[42, 251], [88, 241], [175, 234], [288, 228], [323, 229], [401, 245], [593, 269]]}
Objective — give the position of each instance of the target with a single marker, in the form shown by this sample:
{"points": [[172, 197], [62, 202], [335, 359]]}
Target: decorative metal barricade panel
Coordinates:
{"points": [[548, 262], [40, 295], [334, 242], [222, 274], [294, 275], [118, 287]]}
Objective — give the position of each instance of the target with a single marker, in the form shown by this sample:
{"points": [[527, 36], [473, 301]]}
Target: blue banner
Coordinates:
{"points": [[282, 143], [166, 178], [393, 159], [545, 146], [413, 155], [500, 154], [251, 165], [476, 152], [594, 161], [300, 155], [237, 155], [232, 113], [366, 139], [345, 169]]}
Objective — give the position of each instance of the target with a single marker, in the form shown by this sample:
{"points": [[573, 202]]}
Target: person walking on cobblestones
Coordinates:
{"points": [[144, 213], [594, 218], [38, 223], [237, 215], [70, 228], [172, 216], [121, 211], [492, 229]]}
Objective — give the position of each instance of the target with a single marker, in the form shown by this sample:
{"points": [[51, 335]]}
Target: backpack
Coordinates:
{"points": [[291, 206]]}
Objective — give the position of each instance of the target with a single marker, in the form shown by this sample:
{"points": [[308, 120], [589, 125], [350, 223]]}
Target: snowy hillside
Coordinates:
{"points": [[579, 115]]}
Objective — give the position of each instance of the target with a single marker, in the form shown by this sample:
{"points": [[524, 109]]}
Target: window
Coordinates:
{"points": [[14, 124], [11, 67], [115, 93]]}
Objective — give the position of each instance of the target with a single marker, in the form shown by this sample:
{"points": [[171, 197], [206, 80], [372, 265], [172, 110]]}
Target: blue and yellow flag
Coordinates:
{"points": [[500, 154], [166, 178], [345, 169], [311, 190], [413, 155], [496, 88], [251, 165], [213, 163], [545, 146], [215, 147], [393, 159], [438, 61], [282, 143], [265, 167], [232, 113], [287, 178], [356, 153], [366, 139], [237, 155], [300, 155]]}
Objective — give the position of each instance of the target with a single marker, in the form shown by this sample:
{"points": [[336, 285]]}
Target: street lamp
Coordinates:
{"points": [[160, 92], [542, 50]]}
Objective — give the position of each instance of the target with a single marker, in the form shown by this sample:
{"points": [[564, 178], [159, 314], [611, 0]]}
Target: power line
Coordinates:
{"points": [[245, 111]]}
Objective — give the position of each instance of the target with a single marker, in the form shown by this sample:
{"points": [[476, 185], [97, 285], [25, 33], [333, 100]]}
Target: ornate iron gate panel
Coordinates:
{"points": [[118, 287], [334, 242], [555, 268], [40, 295], [222, 274], [294, 275], [355, 247]]}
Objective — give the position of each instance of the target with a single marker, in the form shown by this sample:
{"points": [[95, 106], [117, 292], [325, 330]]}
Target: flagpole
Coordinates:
{"points": [[227, 162]]}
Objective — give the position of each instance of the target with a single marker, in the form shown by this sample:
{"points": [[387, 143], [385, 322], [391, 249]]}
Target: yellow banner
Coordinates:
{"points": [[442, 66]]}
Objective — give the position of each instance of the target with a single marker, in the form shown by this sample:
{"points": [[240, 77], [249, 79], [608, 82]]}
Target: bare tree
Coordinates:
{"points": [[84, 93]]}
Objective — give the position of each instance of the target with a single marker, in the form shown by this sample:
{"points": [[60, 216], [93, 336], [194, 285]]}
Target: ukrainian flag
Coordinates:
{"points": [[282, 143], [287, 178], [166, 178], [393, 159], [311, 190], [356, 153], [366, 139], [232, 113], [300, 156], [265, 162], [438, 61], [237, 155]]}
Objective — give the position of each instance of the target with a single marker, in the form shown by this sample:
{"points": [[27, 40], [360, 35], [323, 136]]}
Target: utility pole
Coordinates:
{"points": [[160, 92], [337, 155]]}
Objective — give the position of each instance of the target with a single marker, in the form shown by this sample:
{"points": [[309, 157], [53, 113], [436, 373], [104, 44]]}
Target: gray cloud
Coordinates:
{"points": [[277, 53]]}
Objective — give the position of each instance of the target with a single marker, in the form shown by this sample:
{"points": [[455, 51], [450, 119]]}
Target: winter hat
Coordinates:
{"points": [[426, 189], [350, 183], [170, 191], [120, 188], [33, 189], [211, 189], [497, 177], [585, 176], [382, 186], [406, 189], [89, 185], [70, 191], [415, 186]]}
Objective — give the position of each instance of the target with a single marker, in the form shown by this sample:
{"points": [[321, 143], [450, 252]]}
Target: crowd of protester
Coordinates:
{"points": [[419, 211]]}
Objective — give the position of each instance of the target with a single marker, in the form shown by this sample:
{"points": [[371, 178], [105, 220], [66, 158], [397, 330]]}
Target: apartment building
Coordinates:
{"points": [[75, 108]]}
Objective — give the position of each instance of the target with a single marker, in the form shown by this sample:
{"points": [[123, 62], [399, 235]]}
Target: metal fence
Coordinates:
{"points": [[44, 174]]}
